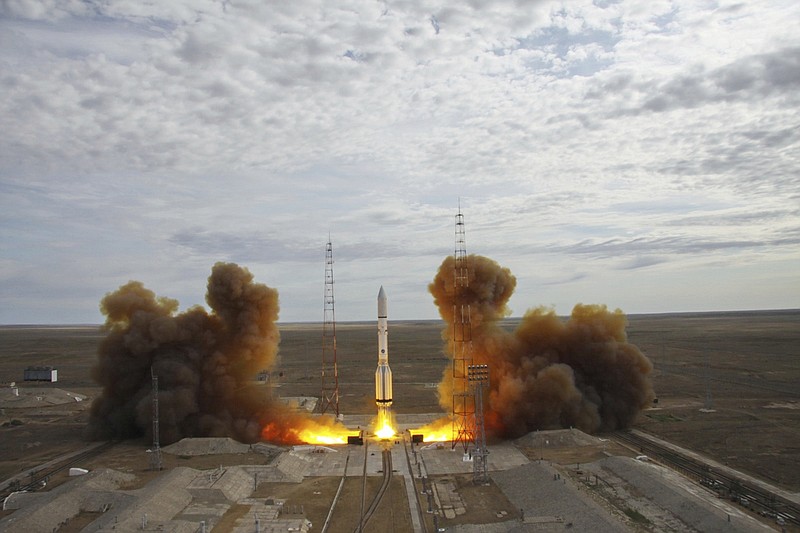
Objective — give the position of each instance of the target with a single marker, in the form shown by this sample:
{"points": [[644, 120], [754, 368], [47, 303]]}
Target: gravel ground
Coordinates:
{"points": [[667, 501], [533, 489]]}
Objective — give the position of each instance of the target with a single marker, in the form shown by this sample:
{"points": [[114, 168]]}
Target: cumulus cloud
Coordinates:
{"points": [[189, 126], [757, 76]]}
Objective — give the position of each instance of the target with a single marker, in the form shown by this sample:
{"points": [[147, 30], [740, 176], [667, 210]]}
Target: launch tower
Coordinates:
{"points": [[330, 371]]}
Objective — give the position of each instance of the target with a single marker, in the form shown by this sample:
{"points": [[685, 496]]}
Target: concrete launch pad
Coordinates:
{"points": [[300, 487]]}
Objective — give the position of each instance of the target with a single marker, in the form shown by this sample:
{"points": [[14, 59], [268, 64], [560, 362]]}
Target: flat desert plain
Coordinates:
{"points": [[728, 384]]}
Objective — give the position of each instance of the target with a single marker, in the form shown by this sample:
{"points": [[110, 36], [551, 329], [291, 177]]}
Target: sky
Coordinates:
{"points": [[642, 154]]}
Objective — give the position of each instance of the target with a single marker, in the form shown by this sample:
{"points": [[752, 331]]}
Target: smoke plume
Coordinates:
{"points": [[205, 363], [547, 373]]}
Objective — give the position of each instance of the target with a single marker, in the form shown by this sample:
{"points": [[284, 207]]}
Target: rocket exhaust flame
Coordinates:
{"points": [[547, 374], [205, 363], [440, 430], [303, 430], [384, 424]]}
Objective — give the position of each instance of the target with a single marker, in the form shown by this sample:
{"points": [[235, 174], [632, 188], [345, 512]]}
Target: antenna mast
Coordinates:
{"points": [[463, 395], [330, 369]]}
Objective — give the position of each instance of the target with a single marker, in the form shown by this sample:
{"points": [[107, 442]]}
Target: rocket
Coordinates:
{"points": [[383, 375]]}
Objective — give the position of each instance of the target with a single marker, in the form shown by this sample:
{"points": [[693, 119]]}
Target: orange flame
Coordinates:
{"points": [[437, 431], [302, 430], [310, 436]]}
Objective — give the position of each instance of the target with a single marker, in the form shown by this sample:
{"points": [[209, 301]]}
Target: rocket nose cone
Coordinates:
{"points": [[382, 303]]}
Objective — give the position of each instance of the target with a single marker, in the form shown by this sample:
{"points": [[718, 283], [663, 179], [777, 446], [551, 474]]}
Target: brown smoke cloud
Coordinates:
{"points": [[205, 362], [547, 373]]}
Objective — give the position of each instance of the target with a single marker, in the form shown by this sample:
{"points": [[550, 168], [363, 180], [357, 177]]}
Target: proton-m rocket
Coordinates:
{"points": [[383, 375]]}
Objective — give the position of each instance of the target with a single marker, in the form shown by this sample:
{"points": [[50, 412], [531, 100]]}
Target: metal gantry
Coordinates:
{"points": [[330, 371], [463, 397]]}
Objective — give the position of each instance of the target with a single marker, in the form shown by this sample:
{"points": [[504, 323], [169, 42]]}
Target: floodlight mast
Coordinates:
{"points": [[155, 453], [478, 376]]}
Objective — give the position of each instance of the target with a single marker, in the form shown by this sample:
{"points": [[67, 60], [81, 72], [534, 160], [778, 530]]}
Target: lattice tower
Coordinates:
{"points": [[330, 370], [463, 397]]}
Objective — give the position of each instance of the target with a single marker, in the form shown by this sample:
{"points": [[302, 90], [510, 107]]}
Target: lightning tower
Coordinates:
{"points": [[463, 396], [330, 370]]}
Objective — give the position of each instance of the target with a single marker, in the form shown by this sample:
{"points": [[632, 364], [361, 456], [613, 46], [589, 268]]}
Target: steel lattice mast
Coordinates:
{"points": [[463, 396], [330, 370]]}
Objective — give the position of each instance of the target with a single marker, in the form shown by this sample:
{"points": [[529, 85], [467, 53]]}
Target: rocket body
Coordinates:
{"points": [[383, 375]]}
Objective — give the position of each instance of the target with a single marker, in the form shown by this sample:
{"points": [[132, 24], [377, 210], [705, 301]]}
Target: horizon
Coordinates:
{"points": [[439, 320]]}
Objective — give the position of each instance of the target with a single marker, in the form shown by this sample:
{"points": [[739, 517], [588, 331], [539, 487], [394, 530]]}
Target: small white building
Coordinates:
{"points": [[41, 373]]}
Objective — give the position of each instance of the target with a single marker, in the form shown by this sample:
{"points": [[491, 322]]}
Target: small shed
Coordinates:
{"points": [[41, 373]]}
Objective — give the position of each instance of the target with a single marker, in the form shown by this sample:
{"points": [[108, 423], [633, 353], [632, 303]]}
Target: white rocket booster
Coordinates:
{"points": [[383, 375]]}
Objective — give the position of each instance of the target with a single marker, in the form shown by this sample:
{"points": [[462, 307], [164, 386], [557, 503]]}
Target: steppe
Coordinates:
{"points": [[727, 387]]}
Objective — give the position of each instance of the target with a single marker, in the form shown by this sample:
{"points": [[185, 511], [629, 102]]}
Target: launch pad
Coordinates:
{"points": [[303, 487]]}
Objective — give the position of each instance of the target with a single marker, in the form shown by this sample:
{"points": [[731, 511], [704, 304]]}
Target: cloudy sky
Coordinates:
{"points": [[644, 154]]}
